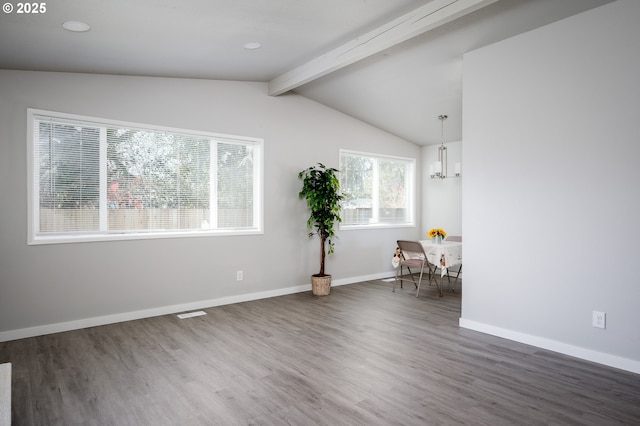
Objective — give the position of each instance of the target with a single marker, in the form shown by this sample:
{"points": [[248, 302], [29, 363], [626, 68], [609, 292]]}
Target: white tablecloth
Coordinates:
{"points": [[443, 255]]}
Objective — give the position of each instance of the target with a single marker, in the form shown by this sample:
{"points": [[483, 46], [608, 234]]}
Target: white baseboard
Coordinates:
{"points": [[353, 280], [172, 309], [555, 346]]}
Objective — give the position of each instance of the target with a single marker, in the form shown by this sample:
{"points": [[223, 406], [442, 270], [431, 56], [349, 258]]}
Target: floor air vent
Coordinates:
{"points": [[191, 314]]}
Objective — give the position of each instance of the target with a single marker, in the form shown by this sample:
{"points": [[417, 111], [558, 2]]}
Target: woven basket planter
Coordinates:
{"points": [[320, 286]]}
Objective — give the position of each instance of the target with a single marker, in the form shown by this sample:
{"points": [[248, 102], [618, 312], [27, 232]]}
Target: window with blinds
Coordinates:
{"points": [[379, 190], [93, 179]]}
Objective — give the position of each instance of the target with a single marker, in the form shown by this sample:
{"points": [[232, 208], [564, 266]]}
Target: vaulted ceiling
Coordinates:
{"points": [[394, 64]]}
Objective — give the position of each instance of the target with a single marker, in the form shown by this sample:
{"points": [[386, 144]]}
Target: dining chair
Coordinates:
{"points": [[454, 238], [412, 255]]}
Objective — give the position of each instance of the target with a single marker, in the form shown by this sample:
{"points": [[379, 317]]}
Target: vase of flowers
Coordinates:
{"points": [[437, 235]]}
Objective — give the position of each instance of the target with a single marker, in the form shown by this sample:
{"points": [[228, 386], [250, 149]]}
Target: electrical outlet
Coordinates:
{"points": [[599, 319], [239, 276]]}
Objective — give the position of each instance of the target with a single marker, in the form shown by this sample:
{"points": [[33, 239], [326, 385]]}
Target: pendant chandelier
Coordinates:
{"points": [[438, 170]]}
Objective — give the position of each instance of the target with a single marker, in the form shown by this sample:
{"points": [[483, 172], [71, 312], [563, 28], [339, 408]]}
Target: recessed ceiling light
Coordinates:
{"points": [[76, 26], [252, 46]]}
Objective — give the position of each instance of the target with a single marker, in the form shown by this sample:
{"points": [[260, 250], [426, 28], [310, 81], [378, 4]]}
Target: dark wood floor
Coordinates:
{"points": [[360, 356]]}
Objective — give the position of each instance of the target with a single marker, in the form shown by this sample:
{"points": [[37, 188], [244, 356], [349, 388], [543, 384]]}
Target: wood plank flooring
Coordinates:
{"points": [[361, 356]]}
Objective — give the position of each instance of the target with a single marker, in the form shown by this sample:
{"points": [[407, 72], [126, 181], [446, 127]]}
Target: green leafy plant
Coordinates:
{"points": [[321, 189]]}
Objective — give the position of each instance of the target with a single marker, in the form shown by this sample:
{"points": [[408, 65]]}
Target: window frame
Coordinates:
{"points": [[33, 196], [411, 191]]}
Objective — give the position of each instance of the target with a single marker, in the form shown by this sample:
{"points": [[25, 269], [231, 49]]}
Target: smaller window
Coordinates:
{"points": [[379, 190]]}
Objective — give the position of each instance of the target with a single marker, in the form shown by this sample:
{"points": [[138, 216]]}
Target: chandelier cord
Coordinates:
{"points": [[442, 118]]}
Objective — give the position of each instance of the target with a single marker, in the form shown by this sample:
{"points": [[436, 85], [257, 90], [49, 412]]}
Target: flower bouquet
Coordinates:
{"points": [[437, 235]]}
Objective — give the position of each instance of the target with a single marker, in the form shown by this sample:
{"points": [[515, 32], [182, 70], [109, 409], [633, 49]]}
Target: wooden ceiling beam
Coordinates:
{"points": [[420, 20]]}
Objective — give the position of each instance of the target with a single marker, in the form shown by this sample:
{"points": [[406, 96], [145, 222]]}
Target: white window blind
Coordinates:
{"points": [[68, 176], [380, 190], [94, 179]]}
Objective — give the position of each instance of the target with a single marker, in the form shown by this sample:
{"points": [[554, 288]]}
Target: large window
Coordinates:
{"points": [[93, 179], [379, 190]]}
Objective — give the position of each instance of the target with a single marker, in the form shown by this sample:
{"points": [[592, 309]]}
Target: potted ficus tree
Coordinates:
{"points": [[321, 189]]}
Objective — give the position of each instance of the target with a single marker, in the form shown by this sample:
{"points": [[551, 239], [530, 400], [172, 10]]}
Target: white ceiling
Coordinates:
{"points": [[401, 89]]}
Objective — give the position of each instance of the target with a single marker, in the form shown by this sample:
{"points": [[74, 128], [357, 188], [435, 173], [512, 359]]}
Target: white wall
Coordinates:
{"points": [[551, 204], [441, 198], [49, 288]]}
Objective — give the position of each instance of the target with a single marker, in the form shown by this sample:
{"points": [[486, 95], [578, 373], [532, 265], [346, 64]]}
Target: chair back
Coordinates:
{"points": [[454, 238], [411, 247]]}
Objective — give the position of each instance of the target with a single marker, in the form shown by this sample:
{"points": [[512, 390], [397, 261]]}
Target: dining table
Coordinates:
{"points": [[445, 254]]}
